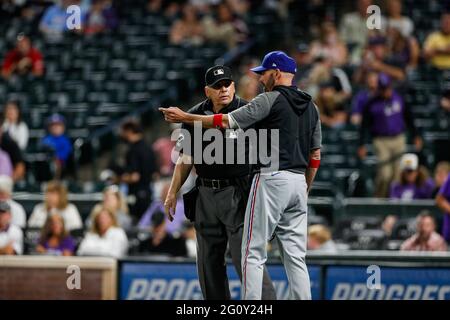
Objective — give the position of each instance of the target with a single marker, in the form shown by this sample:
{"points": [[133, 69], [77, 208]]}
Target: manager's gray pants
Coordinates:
{"points": [[219, 221], [277, 206]]}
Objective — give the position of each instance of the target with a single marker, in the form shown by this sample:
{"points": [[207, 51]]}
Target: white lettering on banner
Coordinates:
{"points": [[395, 292], [359, 291], [281, 289], [138, 289], [181, 289], [157, 289], [235, 288], [413, 292]]}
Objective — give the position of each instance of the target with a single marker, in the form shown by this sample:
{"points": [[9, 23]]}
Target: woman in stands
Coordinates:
{"points": [[330, 45], [55, 239], [414, 182], [14, 126], [56, 202], [105, 237], [115, 201]]}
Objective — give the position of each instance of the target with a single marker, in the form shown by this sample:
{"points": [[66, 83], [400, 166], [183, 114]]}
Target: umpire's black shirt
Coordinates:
{"points": [[215, 170]]}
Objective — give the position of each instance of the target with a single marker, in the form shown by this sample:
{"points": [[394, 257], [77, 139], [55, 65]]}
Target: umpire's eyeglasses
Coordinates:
{"points": [[220, 84]]}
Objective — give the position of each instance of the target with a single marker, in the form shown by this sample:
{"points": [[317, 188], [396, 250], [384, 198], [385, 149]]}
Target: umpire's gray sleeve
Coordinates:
{"points": [[252, 112], [316, 137]]}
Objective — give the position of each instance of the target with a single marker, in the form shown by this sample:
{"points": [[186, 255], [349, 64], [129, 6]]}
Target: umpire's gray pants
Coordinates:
{"points": [[277, 206], [219, 221]]}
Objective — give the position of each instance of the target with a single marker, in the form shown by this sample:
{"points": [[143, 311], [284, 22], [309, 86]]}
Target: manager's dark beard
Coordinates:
{"points": [[270, 84]]}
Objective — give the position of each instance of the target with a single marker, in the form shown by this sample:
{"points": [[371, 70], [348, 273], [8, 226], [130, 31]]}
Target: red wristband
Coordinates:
{"points": [[217, 121], [313, 163]]}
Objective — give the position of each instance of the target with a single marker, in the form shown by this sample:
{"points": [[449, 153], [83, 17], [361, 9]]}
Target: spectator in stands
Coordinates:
{"points": [[354, 32], [330, 45], [55, 202], [225, 27], [445, 100], [105, 237], [55, 240], [11, 236], [377, 58], [34, 9], [158, 206], [10, 8], [387, 117], [163, 151], [15, 155], [139, 168], [155, 7], [23, 59], [54, 21], [332, 112], [413, 183], [443, 203], [304, 61], [169, 9], [403, 50], [115, 201], [19, 217], [161, 242], [187, 30], [426, 238], [101, 17], [437, 45], [57, 140], [189, 236], [248, 84], [388, 224], [363, 96], [440, 175], [14, 126], [396, 20], [6, 167], [319, 239], [323, 71], [443, 152]]}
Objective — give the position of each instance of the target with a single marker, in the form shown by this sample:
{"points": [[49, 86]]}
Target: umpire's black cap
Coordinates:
{"points": [[216, 74]]}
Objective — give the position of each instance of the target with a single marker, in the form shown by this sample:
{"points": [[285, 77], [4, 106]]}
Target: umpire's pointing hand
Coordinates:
{"points": [[173, 114], [169, 205]]}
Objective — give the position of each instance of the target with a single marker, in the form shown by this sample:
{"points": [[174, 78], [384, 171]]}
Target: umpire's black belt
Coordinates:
{"points": [[216, 183]]}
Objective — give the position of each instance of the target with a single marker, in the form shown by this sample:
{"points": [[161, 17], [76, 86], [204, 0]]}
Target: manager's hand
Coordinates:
{"points": [[173, 114]]}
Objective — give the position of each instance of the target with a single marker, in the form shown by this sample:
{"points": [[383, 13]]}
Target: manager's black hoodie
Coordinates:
{"points": [[293, 113]]}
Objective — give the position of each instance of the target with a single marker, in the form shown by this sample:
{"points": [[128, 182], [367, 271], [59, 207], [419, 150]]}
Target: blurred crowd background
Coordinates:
{"points": [[79, 117]]}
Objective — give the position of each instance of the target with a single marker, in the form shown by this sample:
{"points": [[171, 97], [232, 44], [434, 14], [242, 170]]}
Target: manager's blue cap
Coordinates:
{"points": [[277, 60]]}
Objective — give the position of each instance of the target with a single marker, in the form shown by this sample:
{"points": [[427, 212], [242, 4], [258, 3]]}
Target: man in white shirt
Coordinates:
{"points": [[17, 211], [11, 236]]}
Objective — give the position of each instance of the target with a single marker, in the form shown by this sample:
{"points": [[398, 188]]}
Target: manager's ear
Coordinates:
{"points": [[207, 92], [277, 74]]}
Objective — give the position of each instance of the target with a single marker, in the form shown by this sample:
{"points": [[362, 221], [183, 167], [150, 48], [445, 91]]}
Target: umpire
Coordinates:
{"points": [[222, 194]]}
